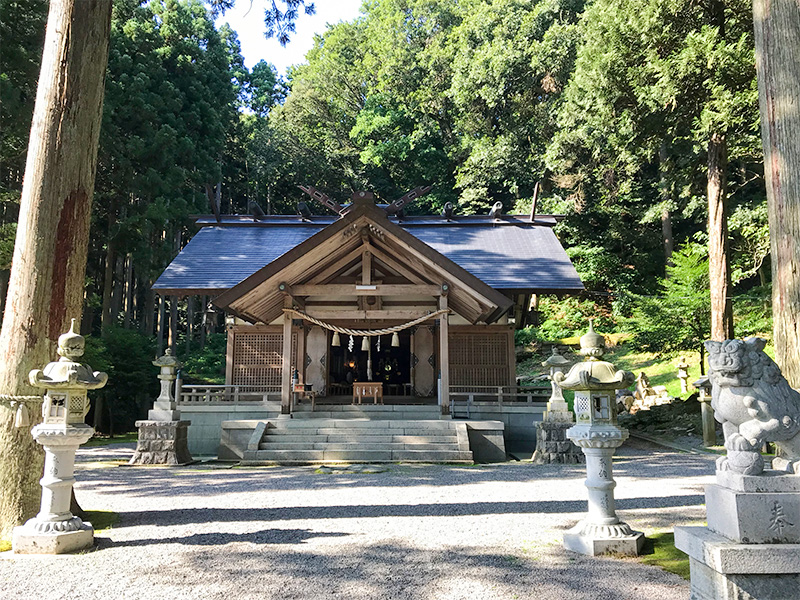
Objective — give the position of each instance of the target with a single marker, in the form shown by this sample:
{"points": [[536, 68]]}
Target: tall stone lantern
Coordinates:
{"points": [[552, 445], [55, 530], [595, 383], [163, 437]]}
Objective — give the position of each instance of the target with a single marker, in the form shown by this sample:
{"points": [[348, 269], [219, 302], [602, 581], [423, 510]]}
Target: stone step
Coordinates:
{"points": [[376, 447], [367, 439], [360, 432], [361, 423], [373, 456]]}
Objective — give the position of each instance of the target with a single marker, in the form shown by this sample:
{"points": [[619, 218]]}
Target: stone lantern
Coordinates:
{"points": [[703, 386], [163, 437], [595, 383], [552, 445], [55, 530]]}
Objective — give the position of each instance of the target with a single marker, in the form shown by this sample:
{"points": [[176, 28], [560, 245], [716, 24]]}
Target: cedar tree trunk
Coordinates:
{"points": [[718, 267], [47, 275], [777, 37]]}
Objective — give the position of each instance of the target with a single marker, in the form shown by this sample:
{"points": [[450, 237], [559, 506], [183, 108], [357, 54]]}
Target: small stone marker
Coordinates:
{"points": [[163, 437], [751, 546], [55, 530], [552, 445], [595, 383], [683, 375]]}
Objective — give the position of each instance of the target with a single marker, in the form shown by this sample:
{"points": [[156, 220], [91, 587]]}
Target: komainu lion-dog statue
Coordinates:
{"points": [[754, 403]]}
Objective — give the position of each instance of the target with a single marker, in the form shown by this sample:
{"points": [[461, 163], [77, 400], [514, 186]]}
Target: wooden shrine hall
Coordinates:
{"points": [[418, 307]]}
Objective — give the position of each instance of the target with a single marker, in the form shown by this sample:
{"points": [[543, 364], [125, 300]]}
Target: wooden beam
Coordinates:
{"points": [[369, 315], [444, 359], [393, 264], [336, 266], [366, 290], [286, 372], [366, 268]]}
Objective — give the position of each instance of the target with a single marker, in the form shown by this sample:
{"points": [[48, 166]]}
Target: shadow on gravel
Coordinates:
{"points": [[265, 536], [404, 572], [225, 515]]}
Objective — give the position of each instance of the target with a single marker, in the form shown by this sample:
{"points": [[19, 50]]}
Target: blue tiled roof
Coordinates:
{"points": [[503, 256]]}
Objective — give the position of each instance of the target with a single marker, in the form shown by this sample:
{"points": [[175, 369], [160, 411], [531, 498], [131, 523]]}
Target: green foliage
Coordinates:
{"points": [[127, 357], [207, 365], [752, 312], [565, 318], [678, 318]]}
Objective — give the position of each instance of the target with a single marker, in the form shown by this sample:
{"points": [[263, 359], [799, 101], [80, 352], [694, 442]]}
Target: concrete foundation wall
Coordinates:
{"points": [[519, 420], [205, 432]]}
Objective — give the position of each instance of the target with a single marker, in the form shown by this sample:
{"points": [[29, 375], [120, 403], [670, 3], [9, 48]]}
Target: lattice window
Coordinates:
{"points": [[478, 359], [258, 357]]}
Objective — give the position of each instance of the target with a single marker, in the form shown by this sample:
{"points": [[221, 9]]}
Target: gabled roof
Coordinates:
{"points": [[260, 297], [511, 254]]}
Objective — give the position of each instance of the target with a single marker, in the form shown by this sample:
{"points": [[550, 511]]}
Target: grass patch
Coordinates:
{"points": [[660, 551], [100, 439], [101, 519]]}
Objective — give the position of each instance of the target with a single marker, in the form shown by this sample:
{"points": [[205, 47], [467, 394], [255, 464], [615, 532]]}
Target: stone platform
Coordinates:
{"points": [[553, 447], [162, 443]]}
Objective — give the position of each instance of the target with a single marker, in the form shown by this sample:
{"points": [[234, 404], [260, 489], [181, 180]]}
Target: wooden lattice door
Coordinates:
{"points": [[255, 356]]}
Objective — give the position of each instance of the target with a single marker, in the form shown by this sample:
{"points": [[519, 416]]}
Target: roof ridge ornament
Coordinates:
{"points": [[322, 198], [396, 207]]}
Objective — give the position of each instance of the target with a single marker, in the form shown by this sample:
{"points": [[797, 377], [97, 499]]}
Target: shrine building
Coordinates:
{"points": [[409, 315]]}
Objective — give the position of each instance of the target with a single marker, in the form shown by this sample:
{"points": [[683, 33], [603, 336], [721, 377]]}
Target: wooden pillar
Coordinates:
{"points": [[173, 324], [189, 323], [286, 375], [444, 359]]}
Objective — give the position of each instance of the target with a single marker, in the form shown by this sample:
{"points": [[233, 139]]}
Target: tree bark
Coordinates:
{"points": [[718, 264], [128, 304], [108, 282], [162, 317], [49, 264], [777, 38], [118, 290]]}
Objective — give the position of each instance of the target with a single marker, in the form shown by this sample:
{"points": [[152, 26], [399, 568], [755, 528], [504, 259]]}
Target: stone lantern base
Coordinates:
{"points": [[552, 445], [162, 443], [34, 538], [751, 547], [593, 540]]}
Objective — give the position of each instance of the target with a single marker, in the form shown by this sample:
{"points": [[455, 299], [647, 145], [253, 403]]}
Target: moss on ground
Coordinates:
{"points": [[101, 519], [660, 551]]}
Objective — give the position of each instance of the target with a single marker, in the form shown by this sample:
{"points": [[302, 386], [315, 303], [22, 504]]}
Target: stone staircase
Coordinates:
{"points": [[318, 440]]}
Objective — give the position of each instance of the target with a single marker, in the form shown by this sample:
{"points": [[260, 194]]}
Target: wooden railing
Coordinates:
{"points": [[499, 394], [194, 395]]}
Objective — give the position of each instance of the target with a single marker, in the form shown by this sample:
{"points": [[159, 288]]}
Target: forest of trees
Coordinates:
{"points": [[635, 119]]}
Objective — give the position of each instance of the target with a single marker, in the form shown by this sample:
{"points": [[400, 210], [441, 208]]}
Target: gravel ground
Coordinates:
{"points": [[428, 532]]}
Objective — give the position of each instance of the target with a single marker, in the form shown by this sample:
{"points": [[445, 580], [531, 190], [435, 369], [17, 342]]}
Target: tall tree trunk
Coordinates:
{"points": [[173, 324], [203, 328], [108, 283], [162, 317], [49, 264], [666, 202], [148, 316], [189, 323], [718, 265], [128, 290], [118, 290], [777, 37]]}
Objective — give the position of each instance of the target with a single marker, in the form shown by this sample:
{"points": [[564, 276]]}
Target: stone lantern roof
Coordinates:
{"points": [[594, 374], [555, 359]]}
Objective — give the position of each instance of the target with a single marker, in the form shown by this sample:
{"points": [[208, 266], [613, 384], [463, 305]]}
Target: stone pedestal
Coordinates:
{"points": [[162, 443], [55, 530], [553, 447], [601, 531], [751, 546]]}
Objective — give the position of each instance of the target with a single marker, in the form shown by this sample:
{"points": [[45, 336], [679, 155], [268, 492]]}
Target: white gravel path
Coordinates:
{"points": [[429, 532]]}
